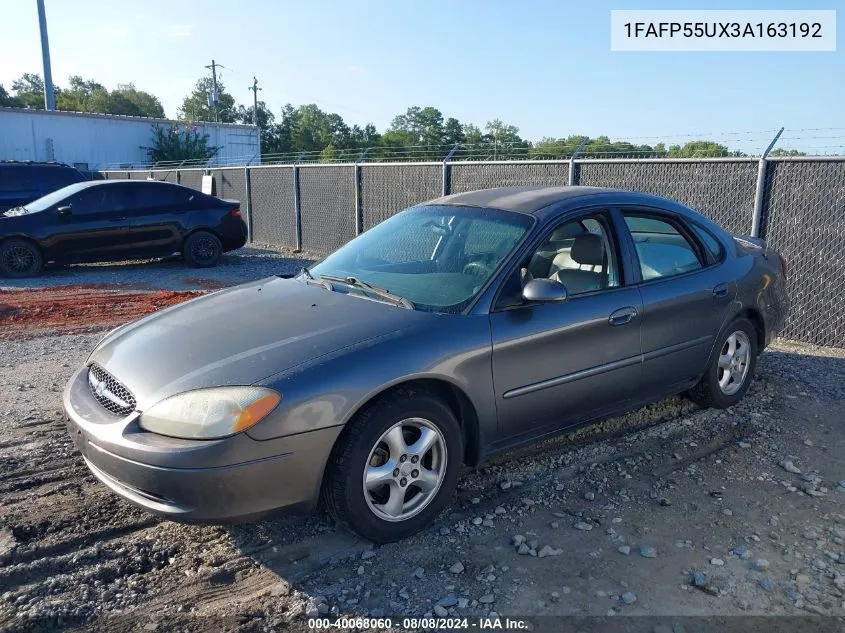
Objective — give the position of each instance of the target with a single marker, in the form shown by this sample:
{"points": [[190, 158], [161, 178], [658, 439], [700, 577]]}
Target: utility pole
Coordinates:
{"points": [[255, 90], [214, 95], [49, 95]]}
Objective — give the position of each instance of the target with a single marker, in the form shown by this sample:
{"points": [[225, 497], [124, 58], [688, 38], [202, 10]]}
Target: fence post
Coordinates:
{"points": [[757, 218], [359, 207], [447, 171], [297, 207], [248, 186], [572, 166]]}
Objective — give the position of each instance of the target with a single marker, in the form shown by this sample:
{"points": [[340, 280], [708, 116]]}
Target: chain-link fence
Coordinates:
{"points": [[319, 207], [327, 206], [804, 219], [471, 176], [386, 189], [272, 206], [721, 190]]}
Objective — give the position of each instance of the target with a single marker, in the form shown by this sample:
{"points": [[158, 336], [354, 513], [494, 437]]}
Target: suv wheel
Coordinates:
{"points": [[20, 258]]}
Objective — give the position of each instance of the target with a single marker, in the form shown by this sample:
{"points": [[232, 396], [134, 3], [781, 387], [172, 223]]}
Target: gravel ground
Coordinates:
{"points": [[244, 264], [668, 511]]}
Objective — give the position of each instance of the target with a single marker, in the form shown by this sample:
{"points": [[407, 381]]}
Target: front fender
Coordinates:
{"points": [[330, 390]]}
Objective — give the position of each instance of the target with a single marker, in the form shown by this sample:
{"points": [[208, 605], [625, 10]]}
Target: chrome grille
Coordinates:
{"points": [[111, 395]]}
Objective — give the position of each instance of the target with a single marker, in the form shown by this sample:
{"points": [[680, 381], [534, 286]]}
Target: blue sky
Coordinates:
{"points": [[542, 65]]}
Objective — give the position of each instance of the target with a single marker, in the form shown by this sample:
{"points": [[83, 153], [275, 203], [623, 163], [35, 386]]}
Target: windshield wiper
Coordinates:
{"points": [[304, 271], [380, 292]]}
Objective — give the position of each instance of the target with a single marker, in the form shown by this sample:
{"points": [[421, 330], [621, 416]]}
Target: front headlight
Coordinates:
{"points": [[210, 413]]}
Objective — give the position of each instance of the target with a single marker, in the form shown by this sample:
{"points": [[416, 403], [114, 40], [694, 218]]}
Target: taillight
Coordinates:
{"points": [[782, 264], [236, 212]]}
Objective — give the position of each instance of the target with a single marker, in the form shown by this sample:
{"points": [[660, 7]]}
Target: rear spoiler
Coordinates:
{"points": [[750, 240]]}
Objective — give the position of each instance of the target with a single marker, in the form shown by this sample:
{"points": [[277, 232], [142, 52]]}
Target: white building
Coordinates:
{"points": [[100, 141]]}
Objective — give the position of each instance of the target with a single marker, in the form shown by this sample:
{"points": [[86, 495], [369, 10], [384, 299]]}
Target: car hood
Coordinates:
{"points": [[240, 336]]}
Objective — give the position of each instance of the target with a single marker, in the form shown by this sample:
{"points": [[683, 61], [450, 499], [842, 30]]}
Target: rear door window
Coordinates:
{"points": [[662, 249]]}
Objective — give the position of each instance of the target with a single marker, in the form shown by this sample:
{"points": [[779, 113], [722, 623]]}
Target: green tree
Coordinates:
{"points": [[599, 147], [453, 131], [29, 91], [88, 95], [79, 96], [364, 137], [782, 151], [472, 134], [329, 154], [127, 99], [178, 143], [7, 100], [267, 129], [698, 149], [195, 107], [424, 125]]}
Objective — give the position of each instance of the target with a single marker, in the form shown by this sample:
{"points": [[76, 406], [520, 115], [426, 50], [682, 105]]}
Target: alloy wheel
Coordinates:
{"points": [[204, 249], [734, 361], [19, 259], [405, 469]]}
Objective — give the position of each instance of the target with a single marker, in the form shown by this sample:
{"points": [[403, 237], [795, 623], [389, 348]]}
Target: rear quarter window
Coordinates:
{"points": [[713, 245], [16, 178], [52, 178]]}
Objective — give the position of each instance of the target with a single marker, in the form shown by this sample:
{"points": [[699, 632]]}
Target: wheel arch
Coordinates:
{"points": [[197, 229], [26, 238], [451, 394], [756, 318]]}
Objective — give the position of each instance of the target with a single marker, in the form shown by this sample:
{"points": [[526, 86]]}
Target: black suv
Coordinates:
{"points": [[24, 181]]}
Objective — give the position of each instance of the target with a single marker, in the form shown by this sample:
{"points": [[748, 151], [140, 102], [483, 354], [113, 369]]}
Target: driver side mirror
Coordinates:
{"points": [[64, 212], [543, 290]]}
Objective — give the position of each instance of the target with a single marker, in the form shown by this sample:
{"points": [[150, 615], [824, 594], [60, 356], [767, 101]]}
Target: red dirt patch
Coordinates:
{"points": [[209, 284], [77, 308]]}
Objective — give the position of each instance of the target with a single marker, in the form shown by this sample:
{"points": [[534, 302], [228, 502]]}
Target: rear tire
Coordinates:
{"points": [[731, 368], [395, 467], [202, 249], [20, 258]]}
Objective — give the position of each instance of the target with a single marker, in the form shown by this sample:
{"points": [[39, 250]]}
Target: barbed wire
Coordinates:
{"points": [[547, 149]]}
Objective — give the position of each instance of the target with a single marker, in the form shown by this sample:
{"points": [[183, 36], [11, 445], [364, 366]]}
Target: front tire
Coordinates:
{"points": [[731, 369], [202, 249], [20, 258], [396, 466]]}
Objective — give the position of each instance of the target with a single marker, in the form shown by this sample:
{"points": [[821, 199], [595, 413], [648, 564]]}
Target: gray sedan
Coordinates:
{"points": [[452, 331]]}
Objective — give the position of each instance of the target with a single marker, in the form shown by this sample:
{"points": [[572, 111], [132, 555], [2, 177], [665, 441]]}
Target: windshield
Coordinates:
{"points": [[437, 257], [45, 202]]}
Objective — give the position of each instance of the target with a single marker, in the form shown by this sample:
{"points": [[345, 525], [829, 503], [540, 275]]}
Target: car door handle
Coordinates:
{"points": [[622, 316], [720, 291]]}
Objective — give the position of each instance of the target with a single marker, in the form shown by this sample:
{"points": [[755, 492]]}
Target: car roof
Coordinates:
{"points": [[32, 163], [520, 199], [118, 181]]}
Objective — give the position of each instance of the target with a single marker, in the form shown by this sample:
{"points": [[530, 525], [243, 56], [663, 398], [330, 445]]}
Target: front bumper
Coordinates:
{"points": [[225, 480]]}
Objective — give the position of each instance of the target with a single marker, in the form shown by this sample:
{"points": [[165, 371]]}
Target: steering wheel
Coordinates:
{"points": [[477, 269]]}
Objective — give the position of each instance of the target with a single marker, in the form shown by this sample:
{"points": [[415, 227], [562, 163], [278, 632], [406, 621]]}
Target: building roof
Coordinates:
{"points": [[520, 199], [118, 117]]}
